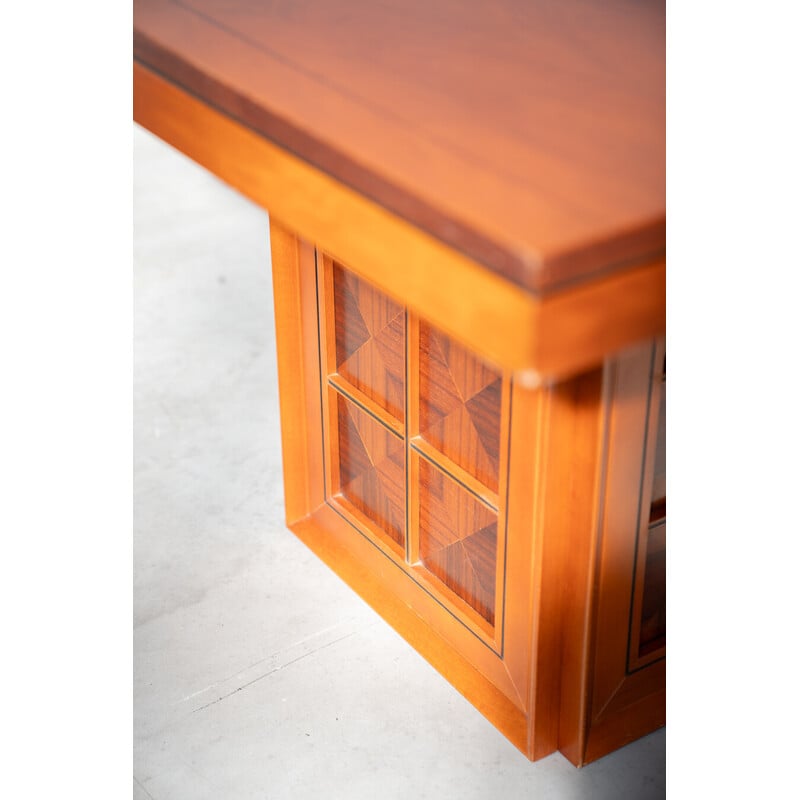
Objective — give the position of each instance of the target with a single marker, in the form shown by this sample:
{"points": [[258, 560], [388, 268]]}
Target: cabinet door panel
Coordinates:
{"points": [[426, 529]]}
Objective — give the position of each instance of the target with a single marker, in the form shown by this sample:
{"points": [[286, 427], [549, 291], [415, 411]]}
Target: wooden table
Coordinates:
{"points": [[467, 218]]}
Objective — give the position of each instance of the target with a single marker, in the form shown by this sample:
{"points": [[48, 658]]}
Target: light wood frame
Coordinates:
{"points": [[607, 701]]}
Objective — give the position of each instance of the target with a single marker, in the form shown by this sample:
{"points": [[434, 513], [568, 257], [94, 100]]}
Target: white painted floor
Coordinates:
{"points": [[257, 672]]}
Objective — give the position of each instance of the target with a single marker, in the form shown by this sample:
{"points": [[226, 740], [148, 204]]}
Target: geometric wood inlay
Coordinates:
{"points": [[459, 405], [372, 469], [457, 539], [370, 341]]}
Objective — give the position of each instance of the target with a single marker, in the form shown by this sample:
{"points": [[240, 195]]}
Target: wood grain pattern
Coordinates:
{"points": [[573, 432], [337, 307], [458, 473], [458, 539], [532, 626], [372, 469], [559, 335], [298, 371], [527, 135], [604, 703], [370, 340], [459, 405], [474, 670], [490, 665], [365, 402]]}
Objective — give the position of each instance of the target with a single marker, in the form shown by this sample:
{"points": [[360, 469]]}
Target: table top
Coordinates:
{"points": [[529, 136]]}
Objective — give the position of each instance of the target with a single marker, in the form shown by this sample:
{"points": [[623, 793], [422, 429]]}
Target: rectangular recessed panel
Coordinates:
{"points": [[654, 599], [653, 626], [372, 469], [458, 539], [370, 341], [659, 488], [459, 405]]}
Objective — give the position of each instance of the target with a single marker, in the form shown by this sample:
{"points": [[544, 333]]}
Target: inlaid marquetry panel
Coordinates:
{"points": [[458, 539], [459, 405], [370, 341], [371, 469]]}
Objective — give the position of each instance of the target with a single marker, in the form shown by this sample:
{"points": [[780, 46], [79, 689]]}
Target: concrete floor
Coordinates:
{"points": [[257, 672]]}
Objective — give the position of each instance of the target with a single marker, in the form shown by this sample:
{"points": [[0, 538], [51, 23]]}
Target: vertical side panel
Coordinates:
{"points": [[573, 466], [624, 705], [518, 560], [603, 704], [620, 521], [648, 622], [296, 335]]}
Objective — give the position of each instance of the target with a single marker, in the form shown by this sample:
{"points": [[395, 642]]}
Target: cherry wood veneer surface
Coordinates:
{"points": [[458, 539], [459, 405], [370, 341], [371, 469], [527, 135]]}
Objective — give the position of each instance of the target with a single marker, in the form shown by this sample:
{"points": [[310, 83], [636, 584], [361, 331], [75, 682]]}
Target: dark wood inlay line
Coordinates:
{"points": [[338, 387], [424, 455]]}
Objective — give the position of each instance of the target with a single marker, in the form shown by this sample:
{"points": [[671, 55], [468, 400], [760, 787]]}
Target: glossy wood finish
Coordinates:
{"points": [[488, 664], [521, 598], [298, 372], [608, 699], [571, 433], [397, 488], [501, 206], [371, 469], [370, 341], [558, 335], [457, 539], [528, 136], [459, 405]]}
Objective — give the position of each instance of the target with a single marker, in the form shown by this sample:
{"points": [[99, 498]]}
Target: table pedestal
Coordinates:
{"points": [[504, 526]]}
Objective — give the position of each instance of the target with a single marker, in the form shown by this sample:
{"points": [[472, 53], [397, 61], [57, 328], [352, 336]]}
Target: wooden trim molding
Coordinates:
{"points": [[605, 704]]}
